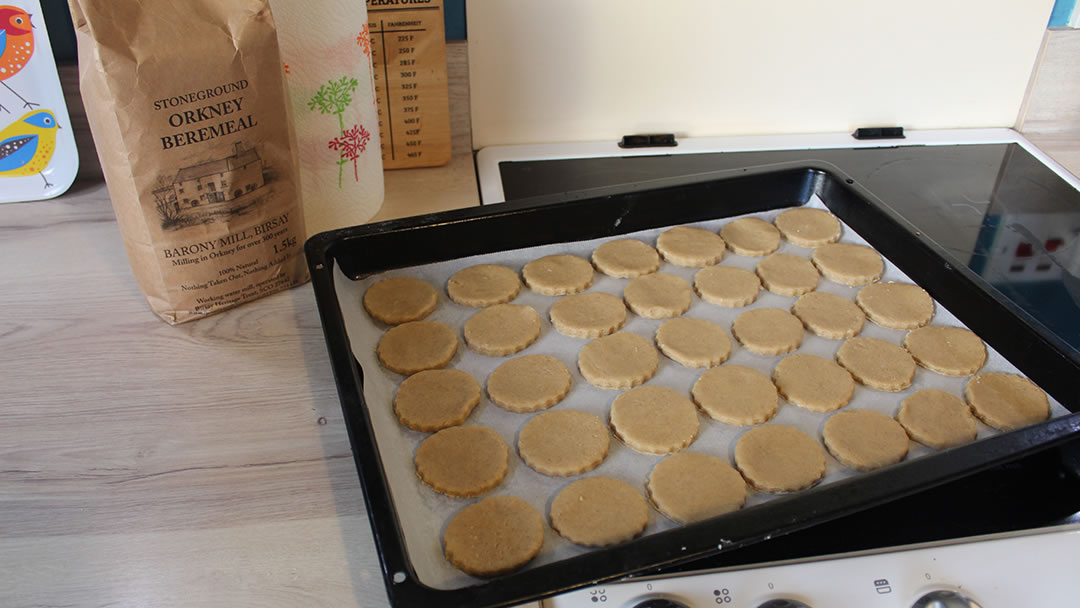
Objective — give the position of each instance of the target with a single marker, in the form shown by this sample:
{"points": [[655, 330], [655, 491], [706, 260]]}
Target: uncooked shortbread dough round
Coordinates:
{"points": [[588, 315], [563, 442], [483, 285], [599, 511], [829, 315], [750, 236], [727, 286], [778, 458], [529, 383], [817, 384], [626, 258], [658, 295], [768, 331], [848, 264], [937, 419], [417, 345], [400, 300], [494, 536], [735, 394], [877, 363], [690, 486], [654, 419], [864, 439], [691, 247], [618, 361], [559, 274], [787, 274], [1006, 401], [462, 461], [502, 329], [808, 227], [896, 305], [952, 351], [693, 342], [435, 399]]}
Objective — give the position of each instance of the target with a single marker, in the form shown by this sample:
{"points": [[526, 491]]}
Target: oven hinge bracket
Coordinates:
{"points": [[879, 133], [648, 140]]}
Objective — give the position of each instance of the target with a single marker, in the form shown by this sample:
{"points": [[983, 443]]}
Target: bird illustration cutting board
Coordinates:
{"points": [[38, 158]]}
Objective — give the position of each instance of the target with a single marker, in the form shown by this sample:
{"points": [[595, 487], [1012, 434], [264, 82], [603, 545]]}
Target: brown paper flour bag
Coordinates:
{"points": [[187, 105]]}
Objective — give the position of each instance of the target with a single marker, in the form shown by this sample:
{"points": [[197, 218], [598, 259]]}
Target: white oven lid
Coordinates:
{"points": [[566, 70]]}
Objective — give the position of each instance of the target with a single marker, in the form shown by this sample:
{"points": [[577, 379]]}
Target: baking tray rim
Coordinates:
{"points": [[779, 516]]}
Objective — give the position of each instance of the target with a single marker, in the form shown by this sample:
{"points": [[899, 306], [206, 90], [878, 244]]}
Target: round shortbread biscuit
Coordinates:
{"points": [[750, 236], [494, 536], [626, 258], [690, 486], [829, 315], [559, 274], [735, 394], [529, 383], [618, 361], [814, 383], [435, 399], [415, 346], [588, 315], [502, 329], [808, 227], [462, 461], [599, 511], [952, 351], [563, 442], [937, 419], [727, 286], [691, 247], [896, 305], [483, 285], [658, 295], [693, 342], [848, 264], [1006, 401], [400, 300], [777, 458], [787, 275], [877, 363], [768, 331], [864, 439], [654, 419]]}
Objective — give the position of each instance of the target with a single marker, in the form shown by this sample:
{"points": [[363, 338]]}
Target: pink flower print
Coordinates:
{"points": [[351, 144]]}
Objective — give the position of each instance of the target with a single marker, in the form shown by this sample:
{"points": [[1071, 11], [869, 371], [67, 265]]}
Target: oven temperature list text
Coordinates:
{"points": [[408, 52]]}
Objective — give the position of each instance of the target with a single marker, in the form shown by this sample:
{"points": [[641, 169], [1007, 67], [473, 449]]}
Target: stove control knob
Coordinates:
{"points": [[659, 602], [784, 604], [943, 598]]}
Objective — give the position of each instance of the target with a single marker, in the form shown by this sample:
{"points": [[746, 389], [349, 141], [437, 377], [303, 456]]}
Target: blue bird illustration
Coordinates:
{"points": [[27, 145]]}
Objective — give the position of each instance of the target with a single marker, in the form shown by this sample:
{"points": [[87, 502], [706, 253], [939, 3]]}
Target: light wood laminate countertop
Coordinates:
{"points": [[200, 465]]}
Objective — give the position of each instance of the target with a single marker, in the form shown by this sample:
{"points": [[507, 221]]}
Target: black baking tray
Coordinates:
{"points": [[363, 250]]}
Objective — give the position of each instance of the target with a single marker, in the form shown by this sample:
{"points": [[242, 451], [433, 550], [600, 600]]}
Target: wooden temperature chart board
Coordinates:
{"points": [[408, 51]]}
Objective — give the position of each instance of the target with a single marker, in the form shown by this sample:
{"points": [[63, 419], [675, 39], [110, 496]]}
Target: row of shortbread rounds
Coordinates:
{"points": [[397, 301], [623, 360], [501, 328], [687, 486]]}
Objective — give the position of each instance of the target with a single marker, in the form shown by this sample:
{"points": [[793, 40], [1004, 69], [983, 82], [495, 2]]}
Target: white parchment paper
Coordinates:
{"points": [[424, 512]]}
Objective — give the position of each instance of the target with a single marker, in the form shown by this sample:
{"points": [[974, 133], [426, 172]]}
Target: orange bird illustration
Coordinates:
{"points": [[16, 46]]}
